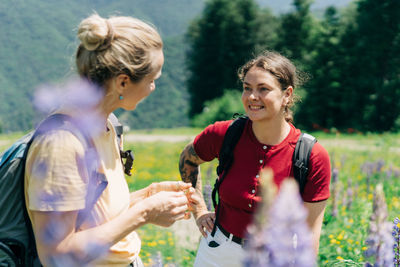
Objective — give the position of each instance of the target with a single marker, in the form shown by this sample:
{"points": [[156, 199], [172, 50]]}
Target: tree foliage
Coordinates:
{"points": [[221, 40], [351, 56]]}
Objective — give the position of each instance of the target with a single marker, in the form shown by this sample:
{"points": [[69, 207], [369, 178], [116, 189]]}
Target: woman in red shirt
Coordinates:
{"points": [[268, 140]]}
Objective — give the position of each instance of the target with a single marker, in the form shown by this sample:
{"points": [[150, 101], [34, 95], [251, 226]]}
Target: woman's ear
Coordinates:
{"points": [[121, 83], [288, 94]]}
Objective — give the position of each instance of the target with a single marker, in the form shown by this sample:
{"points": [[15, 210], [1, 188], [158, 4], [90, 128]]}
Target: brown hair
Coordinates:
{"points": [[282, 69], [118, 45]]}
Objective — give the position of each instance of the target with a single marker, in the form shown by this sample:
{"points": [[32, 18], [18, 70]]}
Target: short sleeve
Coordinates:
{"points": [[55, 173], [319, 178], [208, 143]]}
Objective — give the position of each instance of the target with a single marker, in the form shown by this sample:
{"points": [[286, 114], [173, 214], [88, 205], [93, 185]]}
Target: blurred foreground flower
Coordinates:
{"points": [[280, 236], [77, 98], [379, 241]]}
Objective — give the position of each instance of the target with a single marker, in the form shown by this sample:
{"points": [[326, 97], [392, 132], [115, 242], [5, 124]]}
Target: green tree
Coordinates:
{"points": [[295, 32], [325, 84], [221, 40], [267, 30], [371, 69]]}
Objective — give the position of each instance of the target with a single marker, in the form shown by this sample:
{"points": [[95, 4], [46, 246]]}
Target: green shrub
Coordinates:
{"points": [[219, 109]]}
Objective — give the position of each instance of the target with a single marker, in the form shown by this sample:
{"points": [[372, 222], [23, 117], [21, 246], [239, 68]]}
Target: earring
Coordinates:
{"points": [[121, 97]]}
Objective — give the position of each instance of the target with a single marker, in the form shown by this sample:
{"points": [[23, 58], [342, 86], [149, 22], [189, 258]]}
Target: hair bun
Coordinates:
{"points": [[93, 32]]}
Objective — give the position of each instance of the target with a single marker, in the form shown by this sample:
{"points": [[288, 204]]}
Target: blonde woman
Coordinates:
{"points": [[123, 57]]}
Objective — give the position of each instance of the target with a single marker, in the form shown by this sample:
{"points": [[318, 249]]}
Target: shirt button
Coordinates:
{"points": [[261, 161], [264, 147], [249, 205], [257, 176], [253, 191]]}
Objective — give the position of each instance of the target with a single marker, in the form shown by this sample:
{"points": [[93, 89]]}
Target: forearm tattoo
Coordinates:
{"points": [[188, 167]]}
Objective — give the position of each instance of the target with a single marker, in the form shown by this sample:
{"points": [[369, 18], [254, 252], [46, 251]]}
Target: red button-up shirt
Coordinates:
{"points": [[239, 192]]}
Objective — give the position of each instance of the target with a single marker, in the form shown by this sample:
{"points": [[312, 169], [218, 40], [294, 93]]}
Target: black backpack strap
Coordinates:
{"points": [[301, 159], [231, 138]]}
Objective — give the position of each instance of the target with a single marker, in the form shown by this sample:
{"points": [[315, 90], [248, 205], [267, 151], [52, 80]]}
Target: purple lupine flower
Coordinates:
{"points": [[335, 191], [335, 175], [379, 165], [389, 172], [207, 192], [285, 239], [207, 189], [75, 93], [380, 241], [79, 98], [396, 246], [349, 193]]}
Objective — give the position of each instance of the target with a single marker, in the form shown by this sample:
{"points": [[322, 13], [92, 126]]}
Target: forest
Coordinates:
{"points": [[348, 54]]}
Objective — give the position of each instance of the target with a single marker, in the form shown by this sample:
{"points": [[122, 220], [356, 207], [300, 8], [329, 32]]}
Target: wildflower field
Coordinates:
{"points": [[350, 229], [359, 163]]}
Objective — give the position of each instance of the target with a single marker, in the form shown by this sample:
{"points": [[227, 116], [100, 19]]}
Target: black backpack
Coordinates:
{"points": [[17, 242], [301, 157]]}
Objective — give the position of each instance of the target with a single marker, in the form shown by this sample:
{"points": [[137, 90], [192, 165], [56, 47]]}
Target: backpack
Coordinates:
{"points": [[17, 242], [301, 158]]}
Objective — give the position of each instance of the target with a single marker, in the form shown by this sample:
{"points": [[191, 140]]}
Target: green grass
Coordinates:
{"points": [[343, 236]]}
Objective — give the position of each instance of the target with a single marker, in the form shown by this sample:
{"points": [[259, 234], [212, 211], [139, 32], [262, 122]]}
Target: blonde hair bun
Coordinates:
{"points": [[93, 31]]}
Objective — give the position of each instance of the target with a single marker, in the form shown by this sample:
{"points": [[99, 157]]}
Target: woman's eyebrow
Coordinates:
{"points": [[260, 84]]}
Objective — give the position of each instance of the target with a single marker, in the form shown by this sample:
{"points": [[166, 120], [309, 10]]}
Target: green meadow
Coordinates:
{"points": [[362, 161]]}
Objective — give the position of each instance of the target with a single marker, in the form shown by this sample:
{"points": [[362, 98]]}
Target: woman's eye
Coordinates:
{"points": [[246, 88], [264, 89]]}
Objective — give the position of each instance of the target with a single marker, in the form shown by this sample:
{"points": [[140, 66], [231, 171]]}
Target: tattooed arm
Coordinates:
{"points": [[190, 173], [189, 166]]}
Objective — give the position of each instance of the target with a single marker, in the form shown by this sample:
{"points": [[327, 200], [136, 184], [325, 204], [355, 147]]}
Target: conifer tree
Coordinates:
{"points": [[221, 40], [295, 32], [325, 83], [371, 70]]}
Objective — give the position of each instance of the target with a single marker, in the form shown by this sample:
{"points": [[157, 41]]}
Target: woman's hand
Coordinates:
{"points": [[165, 207], [167, 186], [205, 222]]}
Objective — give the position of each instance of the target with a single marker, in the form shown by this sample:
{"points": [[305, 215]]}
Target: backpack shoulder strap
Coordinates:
{"points": [[301, 158], [231, 138]]}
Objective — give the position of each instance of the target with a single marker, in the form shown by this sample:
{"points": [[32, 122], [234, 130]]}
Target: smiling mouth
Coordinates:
{"points": [[253, 107]]}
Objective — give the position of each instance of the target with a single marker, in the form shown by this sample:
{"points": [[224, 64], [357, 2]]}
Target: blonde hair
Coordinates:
{"points": [[113, 46], [282, 69]]}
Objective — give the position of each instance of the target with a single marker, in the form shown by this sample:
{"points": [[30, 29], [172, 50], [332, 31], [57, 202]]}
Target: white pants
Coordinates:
{"points": [[227, 254]]}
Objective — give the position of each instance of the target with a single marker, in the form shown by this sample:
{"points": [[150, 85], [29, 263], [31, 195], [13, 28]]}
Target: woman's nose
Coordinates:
{"points": [[253, 96]]}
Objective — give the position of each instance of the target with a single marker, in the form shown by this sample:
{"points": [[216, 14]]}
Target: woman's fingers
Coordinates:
{"points": [[201, 228], [172, 186]]}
